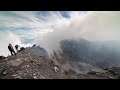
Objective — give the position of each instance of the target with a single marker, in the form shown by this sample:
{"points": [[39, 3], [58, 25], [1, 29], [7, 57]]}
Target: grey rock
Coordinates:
{"points": [[5, 72], [16, 62]]}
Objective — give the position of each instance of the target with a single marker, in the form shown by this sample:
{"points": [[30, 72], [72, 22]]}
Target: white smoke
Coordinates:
{"points": [[7, 37], [94, 26], [62, 29], [47, 31]]}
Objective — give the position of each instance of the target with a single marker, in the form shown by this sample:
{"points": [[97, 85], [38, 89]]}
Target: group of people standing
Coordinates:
{"points": [[11, 49]]}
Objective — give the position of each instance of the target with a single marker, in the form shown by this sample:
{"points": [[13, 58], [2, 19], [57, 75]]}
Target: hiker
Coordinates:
{"points": [[16, 47], [11, 49], [34, 45], [21, 49]]}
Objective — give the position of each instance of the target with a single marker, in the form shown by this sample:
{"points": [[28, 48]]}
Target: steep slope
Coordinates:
{"points": [[35, 63], [32, 63]]}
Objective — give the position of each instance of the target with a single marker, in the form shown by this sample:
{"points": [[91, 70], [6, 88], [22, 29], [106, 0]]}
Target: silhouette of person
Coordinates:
{"points": [[16, 47], [10, 47]]}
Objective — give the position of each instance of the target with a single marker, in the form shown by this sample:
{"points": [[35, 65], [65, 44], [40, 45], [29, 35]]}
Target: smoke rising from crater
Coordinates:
{"points": [[93, 26], [47, 28]]}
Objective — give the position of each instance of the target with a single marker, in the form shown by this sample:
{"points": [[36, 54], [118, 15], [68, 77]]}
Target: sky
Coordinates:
{"points": [[47, 28], [23, 27], [29, 25]]}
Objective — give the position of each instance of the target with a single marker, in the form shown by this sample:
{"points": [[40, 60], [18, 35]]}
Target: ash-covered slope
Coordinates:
{"points": [[100, 54], [32, 63], [35, 63]]}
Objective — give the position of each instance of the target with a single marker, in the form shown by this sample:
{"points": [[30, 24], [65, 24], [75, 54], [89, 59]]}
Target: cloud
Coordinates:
{"points": [[17, 27], [7, 37], [47, 28], [93, 26]]}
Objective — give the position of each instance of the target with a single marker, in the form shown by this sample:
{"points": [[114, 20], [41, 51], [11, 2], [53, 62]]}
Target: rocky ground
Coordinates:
{"points": [[35, 63]]}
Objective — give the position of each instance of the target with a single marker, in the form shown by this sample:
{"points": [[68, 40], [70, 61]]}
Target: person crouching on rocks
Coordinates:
{"points": [[16, 47], [11, 49]]}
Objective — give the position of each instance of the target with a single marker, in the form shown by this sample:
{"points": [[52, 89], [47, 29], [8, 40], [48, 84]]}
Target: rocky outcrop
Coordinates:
{"points": [[35, 63], [2, 57]]}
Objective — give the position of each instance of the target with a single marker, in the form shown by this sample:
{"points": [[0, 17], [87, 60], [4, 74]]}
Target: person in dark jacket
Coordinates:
{"points": [[16, 47], [11, 49]]}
